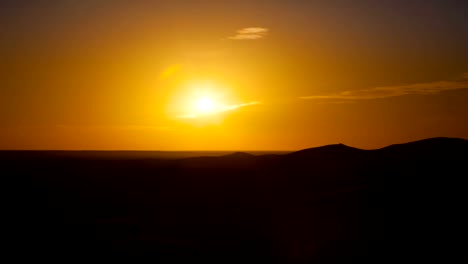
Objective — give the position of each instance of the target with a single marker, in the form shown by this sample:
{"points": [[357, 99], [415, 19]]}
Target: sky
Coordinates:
{"points": [[231, 75]]}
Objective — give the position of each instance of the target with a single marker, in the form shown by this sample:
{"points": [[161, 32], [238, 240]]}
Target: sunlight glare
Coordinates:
{"points": [[205, 105], [206, 101]]}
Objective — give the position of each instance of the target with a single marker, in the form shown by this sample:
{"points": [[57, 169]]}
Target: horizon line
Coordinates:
{"points": [[285, 150], [110, 150]]}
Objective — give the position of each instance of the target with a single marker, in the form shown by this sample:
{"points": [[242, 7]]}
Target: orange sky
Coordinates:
{"points": [[124, 75]]}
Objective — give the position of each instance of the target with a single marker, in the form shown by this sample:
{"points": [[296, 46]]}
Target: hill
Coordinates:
{"points": [[331, 204]]}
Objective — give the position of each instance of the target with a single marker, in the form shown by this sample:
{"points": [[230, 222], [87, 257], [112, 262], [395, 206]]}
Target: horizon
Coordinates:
{"points": [[221, 151]]}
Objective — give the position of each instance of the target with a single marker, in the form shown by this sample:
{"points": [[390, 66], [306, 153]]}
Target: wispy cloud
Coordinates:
{"points": [[114, 127], [338, 102], [233, 107], [429, 88], [220, 110], [169, 71], [250, 33]]}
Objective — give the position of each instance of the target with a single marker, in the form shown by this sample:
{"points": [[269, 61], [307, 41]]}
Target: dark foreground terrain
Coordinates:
{"points": [[333, 204]]}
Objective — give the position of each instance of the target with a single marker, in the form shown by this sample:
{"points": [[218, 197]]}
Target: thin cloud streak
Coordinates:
{"points": [[118, 127], [232, 107], [251, 33], [246, 37], [253, 30], [430, 88], [170, 71], [221, 110]]}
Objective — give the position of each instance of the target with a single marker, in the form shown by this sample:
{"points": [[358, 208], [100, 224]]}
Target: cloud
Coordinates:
{"points": [[251, 33], [156, 128], [253, 30], [116, 127], [429, 88], [169, 71], [338, 102], [232, 107], [220, 110], [246, 37]]}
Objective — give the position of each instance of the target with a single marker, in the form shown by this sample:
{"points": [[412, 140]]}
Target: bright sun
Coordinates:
{"points": [[204, 100], [205, 105]]}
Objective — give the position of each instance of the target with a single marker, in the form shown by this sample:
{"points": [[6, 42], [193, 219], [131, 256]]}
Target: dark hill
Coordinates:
{"points": [[329, 150], [233, 161], [239, 155], [433, 148], [325, 154], [331, 204]]}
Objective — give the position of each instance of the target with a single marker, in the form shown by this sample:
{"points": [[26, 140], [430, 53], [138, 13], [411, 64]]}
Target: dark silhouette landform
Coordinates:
{"points": [[331, 204]]}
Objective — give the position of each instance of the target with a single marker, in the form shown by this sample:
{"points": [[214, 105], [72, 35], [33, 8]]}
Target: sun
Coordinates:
{"points": [[204, 100], [205, 105]]}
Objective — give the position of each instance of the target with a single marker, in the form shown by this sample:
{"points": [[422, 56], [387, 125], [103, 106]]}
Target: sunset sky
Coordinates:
{"points": [[231, 75]]}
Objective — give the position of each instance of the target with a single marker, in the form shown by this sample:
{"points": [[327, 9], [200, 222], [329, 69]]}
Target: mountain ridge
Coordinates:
{"points": [[422, 147]]}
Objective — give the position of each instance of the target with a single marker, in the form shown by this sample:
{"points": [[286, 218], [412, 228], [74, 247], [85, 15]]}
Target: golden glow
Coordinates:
{"points": [[205, 105], [198, 99], [202, 100]]}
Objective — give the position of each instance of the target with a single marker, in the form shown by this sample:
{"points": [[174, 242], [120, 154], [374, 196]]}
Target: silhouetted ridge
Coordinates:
{"points": [[336, 204], [329, 151], [440, 147], [234, 160], [238, 155]]}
